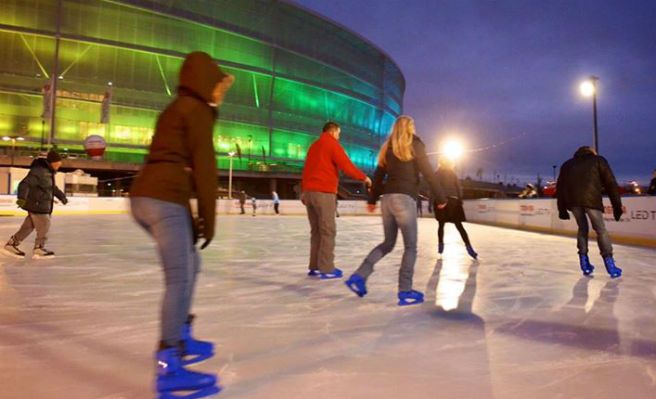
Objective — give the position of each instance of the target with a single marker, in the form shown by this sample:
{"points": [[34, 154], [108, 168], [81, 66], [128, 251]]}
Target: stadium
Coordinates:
{"points": [[116, 65]]}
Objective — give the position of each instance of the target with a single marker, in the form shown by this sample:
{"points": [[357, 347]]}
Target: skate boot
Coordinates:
{"points": [[357, 284], [11, 249], [41, 253], [586, 267], [193, 350], [336, 273], [471, 252], [411, 297], [612, 270], [314, 273], [440, 248], [172, 378]]}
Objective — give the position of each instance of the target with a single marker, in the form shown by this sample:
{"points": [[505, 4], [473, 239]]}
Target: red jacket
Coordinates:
{"points": [[325, 159]]}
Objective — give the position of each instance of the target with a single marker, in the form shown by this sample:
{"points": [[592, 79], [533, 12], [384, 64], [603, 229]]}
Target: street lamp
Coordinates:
{"points": [[13, 140], [589, 89], [231, 155], [454, 150]]}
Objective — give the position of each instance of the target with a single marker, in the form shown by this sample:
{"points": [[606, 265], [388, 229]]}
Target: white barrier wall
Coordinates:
{"points": [[637, 225], [115, 205]]}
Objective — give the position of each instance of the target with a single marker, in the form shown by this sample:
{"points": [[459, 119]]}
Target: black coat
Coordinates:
{"points": [[38, 188], [652, 187], [454, 211], [582, 181]]}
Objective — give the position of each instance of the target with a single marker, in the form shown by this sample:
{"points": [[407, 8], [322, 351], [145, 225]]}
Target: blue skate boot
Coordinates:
{"points": [[336, 273], [440, 248], [411, 297], [357, 284], [175, 382], [612, 270], [314, 273], [193, 350], [586, 267], [471, 252]]}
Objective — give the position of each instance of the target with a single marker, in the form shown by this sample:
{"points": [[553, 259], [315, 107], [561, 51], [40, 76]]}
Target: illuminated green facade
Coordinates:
{"points": [[294, 70]]}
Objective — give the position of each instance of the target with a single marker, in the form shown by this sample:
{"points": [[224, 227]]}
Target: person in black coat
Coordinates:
{"points": [[652, 185], [36, 193], [581, 183], [453, 212]]}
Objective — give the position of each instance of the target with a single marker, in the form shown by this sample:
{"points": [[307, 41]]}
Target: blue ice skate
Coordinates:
{"points": [[314, 273], [612, 270], [336, 273], [357, 284], [411, 297], [586, 267], [193, 350], [471, 252], [175, 382]]}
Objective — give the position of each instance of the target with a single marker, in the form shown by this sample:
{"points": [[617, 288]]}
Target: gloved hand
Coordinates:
{"points": [[201, 233], [21, 202], [563, 215], [617, 214]]}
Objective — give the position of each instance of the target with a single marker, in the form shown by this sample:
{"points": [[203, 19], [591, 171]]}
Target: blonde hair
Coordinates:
{"points": [[400, 139]]}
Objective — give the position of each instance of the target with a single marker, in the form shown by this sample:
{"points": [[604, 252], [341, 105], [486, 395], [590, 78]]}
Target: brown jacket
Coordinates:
{"points": [[181, 159]]}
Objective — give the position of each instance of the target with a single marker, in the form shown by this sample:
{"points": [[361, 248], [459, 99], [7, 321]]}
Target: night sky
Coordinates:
{"points": [[508, 72]]}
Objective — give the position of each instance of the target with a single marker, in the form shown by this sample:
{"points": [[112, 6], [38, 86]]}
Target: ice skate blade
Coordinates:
{"points": [[40, 257], [13, 255], [201, 393], [409, 302]]}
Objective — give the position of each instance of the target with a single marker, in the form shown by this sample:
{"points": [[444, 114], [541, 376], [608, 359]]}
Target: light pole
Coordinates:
{"points": [[231, 155], [589, 89], [13, 140]]}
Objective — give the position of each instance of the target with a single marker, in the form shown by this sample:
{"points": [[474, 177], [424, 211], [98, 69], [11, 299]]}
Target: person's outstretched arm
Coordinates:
{"points": [[610, 185]]}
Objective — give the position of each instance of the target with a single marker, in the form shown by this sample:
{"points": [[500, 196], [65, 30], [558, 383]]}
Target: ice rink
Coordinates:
{"points": [[519, 323]]}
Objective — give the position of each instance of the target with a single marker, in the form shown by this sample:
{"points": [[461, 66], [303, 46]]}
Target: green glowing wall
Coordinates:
{"points": [[293, 72]]}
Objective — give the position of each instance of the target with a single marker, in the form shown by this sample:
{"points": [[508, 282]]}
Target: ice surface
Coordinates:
{"points": [[520, 323]]}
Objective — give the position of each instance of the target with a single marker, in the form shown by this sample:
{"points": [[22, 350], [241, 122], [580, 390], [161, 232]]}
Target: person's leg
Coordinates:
{"points": [[24, 231], [440, 232], [325, 208], [463, 233], [42, 225], [406, 218], [275, 208], [315, 237], [583, 230], [170, 226], [598, 225], [390, 229]]}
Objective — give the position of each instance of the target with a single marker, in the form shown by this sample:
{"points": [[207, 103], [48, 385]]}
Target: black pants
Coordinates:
{"points": [[461, 230], [275, 208]]}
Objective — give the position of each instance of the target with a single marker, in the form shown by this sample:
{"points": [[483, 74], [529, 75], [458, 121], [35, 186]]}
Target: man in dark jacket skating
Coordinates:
{"points": [[36, 194], [579, 189]]}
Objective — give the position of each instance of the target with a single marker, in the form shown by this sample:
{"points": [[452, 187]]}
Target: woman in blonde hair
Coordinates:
{"points": [[401, 159], [453, 212]]}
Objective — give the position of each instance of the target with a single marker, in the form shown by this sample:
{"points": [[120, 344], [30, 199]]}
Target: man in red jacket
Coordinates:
{"points": [[325, 159]]}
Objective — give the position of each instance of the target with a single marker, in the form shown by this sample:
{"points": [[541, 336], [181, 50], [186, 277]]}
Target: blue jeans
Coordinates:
{"points": [[597, 220], [170, 226], [399, 213]]}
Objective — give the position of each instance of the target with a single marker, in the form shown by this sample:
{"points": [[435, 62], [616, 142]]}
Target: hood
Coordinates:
{"points": [[583, 151], [40, 163], [199, 74]]}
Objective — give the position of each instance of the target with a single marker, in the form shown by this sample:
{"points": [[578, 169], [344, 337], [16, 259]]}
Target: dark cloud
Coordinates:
{"points": [[496, 70]]}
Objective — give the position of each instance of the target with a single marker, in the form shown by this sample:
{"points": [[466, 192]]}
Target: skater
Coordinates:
{"points": [[276, 202], [254, 205], [319, 192], [401, 159], [453, 212], [579, 190], [652, 184], [420, 206], [181, 161], [36, 194], [242, 201]]}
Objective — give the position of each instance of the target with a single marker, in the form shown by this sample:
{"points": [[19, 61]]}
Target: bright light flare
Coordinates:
{"points": [[453, 150], [587, 88]]}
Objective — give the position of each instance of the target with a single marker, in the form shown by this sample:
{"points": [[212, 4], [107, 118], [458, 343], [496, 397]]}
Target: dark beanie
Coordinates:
{"points": [[53, 156]]}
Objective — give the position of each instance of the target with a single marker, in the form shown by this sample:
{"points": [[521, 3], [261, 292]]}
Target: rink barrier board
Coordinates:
{"points": [[637, 225]]}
